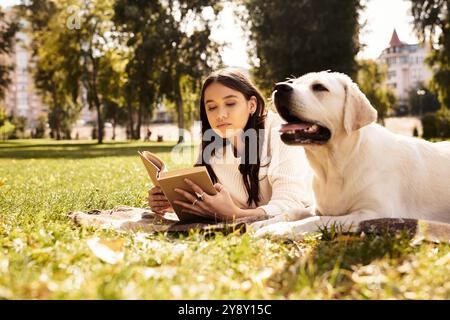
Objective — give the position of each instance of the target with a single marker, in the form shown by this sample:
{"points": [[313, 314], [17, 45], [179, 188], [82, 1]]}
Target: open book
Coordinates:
{"points": [[169, 180]]}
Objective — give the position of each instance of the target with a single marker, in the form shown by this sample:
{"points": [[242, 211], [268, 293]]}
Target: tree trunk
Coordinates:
{"points": [[57, 116], [58, 123], [179, 103], [139, 121], [130, 120], [98, 106], [100, 125], [114, 130]]}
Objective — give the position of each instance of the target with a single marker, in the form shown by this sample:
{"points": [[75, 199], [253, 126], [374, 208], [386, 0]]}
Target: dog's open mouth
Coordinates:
{"points": [[302, 132]]}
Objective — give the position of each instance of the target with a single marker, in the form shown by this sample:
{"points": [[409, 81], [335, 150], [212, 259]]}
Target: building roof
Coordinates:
{"points": [[395, 41]]}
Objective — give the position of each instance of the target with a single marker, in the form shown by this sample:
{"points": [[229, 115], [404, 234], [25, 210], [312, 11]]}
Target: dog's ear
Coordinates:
{"points": [[358, 112]]}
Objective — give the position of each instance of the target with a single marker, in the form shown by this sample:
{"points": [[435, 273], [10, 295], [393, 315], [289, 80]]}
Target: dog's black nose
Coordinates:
{"points": [[282, 101], [282, 88]]}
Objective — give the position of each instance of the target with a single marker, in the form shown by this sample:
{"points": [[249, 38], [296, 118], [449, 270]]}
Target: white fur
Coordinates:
{"points": [[364, 171]]}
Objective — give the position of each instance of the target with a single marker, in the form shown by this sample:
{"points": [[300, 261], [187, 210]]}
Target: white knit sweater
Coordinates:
{"points": [[285, 183]]}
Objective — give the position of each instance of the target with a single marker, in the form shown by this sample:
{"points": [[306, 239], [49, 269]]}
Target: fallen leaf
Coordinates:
{"points": [[107, 250], [115, 245]]}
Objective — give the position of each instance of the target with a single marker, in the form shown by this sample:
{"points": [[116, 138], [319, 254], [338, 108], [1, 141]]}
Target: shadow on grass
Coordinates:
{"points": [[333, 259], [345, 251], [77, 151]]}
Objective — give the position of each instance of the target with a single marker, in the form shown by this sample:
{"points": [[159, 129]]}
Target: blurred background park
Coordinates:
{"points": [[132, 69]]}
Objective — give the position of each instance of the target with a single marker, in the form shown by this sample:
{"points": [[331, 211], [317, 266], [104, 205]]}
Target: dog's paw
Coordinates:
{"points": [[260, 224], [299, 214], [280, 230], [295, 230], [291, 215]]}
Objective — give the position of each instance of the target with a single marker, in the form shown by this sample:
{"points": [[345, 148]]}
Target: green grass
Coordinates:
{"points": [[43, 255]]}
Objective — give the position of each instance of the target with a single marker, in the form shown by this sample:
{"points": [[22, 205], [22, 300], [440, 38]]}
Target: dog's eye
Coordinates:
{"points": [[319, 87]]}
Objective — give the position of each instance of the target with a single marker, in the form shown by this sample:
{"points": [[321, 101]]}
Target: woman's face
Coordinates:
{"points": [[227, 110]]}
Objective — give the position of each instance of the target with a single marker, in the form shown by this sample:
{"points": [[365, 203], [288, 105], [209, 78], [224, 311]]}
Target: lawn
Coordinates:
{"points": [[43, 255]]}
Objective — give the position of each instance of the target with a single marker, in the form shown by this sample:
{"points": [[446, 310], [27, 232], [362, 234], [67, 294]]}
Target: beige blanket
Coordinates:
{"points": [[124, 218]]}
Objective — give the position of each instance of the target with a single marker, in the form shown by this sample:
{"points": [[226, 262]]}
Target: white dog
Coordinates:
{"points": [[362, 171]]}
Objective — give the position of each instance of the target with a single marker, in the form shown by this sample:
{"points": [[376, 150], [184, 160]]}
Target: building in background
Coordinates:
{"points": [[21, 97], [406, 66], [161, 114]]}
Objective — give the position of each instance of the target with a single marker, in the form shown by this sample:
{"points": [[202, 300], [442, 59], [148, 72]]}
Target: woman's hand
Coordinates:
{"points": [[219, 206], [158, 202]]}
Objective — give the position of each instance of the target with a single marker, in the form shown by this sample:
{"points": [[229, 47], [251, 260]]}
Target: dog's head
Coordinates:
{"points": [[319, 106]]}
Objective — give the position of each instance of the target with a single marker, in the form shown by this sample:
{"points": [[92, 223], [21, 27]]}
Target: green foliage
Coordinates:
{"points": [[56, 70], [296, 37], [436, 125], [2, 115], [73, 50], [19, 124], [6, 129], [8, 30], [421, 104], [430, 16], [370, 79]]}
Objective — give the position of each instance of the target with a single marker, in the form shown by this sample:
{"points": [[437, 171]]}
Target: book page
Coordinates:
{"points": [[152, 169], [199, 176]]}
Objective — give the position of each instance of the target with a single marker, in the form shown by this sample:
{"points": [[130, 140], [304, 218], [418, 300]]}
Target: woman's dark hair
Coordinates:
{"points": [[236, 80]]}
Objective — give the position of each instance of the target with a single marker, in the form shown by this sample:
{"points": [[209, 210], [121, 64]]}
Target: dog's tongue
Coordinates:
{"points": [[295, 126]]}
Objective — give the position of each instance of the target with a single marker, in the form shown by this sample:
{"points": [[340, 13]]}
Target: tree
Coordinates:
{"points": [[422, 103], [73, 41], [430, 18], [370, 79], [188, 51], [56, 65], [111, 86], [296, 37], [170, 40], [8, 30], [140, 21], [97, 37]]}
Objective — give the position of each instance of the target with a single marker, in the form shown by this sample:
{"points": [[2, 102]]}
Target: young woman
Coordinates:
{"points": [[255, 174]]}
